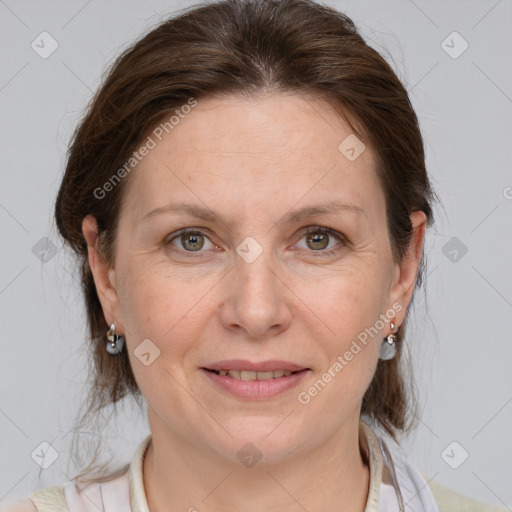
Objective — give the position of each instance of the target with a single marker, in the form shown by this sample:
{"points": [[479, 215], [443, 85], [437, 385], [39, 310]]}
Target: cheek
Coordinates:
{"points": [[349, 338], [345, 312], [345, 303], [163, 309], [157, 305]]}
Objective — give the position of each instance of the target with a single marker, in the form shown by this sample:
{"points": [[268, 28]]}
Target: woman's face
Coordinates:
{"points": [[250, 283]]}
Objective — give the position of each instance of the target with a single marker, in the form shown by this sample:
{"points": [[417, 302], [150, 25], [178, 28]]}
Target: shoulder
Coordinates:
{"points": [[415, 485], [449, 500], [25, 505], [113, 488], [47, 499]]}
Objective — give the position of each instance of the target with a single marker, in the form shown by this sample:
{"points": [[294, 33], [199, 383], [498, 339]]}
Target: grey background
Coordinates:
{"points": [[461, 340]]}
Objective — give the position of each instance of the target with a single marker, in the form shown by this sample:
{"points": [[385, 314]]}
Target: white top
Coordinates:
{"points": [[126, 493]]}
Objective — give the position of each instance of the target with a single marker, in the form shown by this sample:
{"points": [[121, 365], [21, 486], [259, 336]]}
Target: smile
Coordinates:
{"points": [[251, 375], [252, 385]]}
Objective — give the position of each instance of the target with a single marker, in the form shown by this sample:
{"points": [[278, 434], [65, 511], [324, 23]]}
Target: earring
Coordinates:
{"points": [[115, 342], [388, 346]]}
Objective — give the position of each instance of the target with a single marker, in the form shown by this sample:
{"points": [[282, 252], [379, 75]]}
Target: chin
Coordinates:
{"points": [[256, 442]]}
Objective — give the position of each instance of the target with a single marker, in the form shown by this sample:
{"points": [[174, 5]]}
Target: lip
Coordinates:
{"points": [[256, 389], [263, 366]]}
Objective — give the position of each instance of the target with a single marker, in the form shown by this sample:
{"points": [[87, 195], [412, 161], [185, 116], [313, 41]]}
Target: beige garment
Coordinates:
{"points": [[131, 492]]}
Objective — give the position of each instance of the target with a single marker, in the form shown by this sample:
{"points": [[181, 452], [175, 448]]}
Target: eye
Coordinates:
{"points": [[190, 240], [317, 239]]}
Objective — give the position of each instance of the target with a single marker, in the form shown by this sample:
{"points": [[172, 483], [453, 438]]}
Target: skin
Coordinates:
{"points": [[253, 161]]}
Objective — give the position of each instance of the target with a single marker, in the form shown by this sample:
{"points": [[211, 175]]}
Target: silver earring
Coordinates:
{"points": [[388, 346], [115, 342]]}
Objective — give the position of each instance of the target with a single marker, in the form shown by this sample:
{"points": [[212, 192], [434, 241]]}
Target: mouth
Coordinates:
{"points": [[249, 384], [249, 375]]}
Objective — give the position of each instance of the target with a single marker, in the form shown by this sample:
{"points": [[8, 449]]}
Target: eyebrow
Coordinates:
{"points": [[200, 212]]}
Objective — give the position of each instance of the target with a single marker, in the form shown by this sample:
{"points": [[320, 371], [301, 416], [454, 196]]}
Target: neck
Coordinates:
{"points": [[181, 476]]}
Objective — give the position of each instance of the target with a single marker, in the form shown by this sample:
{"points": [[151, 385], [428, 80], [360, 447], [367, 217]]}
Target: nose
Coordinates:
{"points": [[257, 298]]}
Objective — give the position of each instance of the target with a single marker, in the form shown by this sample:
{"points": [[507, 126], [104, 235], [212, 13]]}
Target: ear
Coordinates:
{"points": [[405, 275], [103, 274]]}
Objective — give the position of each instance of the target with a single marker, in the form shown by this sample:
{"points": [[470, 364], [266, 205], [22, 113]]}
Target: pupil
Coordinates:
{"points": [[315, 238], [194, 240]]}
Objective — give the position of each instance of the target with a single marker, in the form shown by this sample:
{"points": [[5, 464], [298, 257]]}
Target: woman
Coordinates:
{"points": [[248, 199]]}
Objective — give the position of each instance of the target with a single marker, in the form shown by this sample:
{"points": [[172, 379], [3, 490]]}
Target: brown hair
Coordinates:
{"points": [[242, 47]]}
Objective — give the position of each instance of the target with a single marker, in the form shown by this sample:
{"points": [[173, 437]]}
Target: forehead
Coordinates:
{"points": [[266, 153]]}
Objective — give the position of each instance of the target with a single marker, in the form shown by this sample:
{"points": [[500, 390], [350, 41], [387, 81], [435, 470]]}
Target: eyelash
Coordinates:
{"points": [[306, 231]]}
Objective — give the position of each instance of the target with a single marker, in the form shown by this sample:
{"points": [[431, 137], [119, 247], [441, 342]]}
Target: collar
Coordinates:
{"points": [[369, 444]]}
